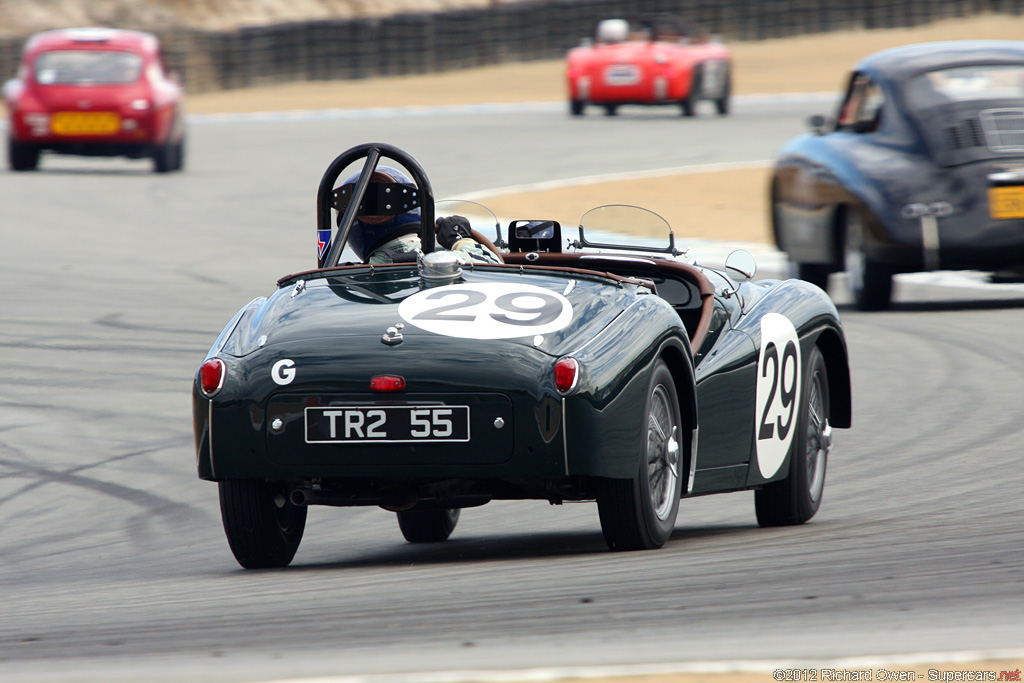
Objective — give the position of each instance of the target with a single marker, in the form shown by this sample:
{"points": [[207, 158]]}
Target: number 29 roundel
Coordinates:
{"points": [[779, 371], [487, 310]]}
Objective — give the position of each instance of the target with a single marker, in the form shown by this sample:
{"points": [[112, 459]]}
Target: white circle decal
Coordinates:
{"points": [[777, 399], [487, 310], [283, 371]]}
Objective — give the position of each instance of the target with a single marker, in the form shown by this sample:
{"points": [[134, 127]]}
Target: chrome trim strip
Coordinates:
{"points": [[693, 462], [565, 439], [209, 429], [930, 242]]}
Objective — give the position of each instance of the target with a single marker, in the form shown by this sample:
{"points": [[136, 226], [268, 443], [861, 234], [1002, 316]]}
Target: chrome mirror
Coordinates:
{"points": [[741, 266]]}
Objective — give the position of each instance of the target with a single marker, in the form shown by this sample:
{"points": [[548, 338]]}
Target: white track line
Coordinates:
{"points": [[615, 177], [457, 109]]}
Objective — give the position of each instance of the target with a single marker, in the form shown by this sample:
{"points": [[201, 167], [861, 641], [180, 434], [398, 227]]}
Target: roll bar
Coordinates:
{"points": [[373, 152]]}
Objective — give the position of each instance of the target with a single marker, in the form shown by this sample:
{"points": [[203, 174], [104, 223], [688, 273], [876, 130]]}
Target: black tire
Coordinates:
{"points": [[263, 527], [22, 156], [870, 282], [796, 499], [640, 513], [179, 155], [722, 102], [689, 105], [611, 109], [163, 158], [576, 107], [815, 273], [427, 526]]}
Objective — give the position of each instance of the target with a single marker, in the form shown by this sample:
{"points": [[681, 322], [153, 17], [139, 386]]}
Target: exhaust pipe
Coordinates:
{"points": [[304, 497]]}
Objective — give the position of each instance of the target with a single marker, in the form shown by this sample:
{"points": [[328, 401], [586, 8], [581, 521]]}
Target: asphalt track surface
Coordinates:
{"points": [[113, 563]]}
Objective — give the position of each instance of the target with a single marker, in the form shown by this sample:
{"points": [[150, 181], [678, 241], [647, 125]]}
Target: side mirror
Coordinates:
{"points": [[818, 124], [741, 266]]}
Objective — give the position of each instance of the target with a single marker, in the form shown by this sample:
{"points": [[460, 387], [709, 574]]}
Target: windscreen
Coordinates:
{"points": [[87, 67]]}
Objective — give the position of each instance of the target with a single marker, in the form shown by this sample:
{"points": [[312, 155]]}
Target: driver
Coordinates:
{"points": [[396, 239]]}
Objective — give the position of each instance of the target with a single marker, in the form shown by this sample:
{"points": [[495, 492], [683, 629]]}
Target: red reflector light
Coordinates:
{"points": [[211, 376], [387, 383], [566, 374]]}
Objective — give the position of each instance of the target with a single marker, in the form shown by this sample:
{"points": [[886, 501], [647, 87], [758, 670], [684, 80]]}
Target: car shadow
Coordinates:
{"points": [[654, 114], [505, 547], [111, 172]]}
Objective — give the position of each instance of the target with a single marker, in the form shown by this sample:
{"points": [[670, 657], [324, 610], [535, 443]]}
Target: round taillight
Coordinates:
{"points": [[567, 372], [211, 376]]}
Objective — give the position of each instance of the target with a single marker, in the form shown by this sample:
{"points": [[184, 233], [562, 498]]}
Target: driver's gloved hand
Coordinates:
{"points": [[451, 229]]}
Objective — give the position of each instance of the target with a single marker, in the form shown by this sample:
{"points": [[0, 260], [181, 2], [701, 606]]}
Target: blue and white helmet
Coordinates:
{"points": [[368, 232]]}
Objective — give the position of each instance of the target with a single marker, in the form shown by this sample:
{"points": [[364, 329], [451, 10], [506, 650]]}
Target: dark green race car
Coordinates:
{"points": [[628, 375]]}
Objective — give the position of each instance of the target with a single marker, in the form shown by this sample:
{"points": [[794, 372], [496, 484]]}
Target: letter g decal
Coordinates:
{"points": [[283, 371]]}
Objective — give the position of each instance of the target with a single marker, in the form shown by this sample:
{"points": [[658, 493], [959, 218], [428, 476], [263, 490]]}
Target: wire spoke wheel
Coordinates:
{"points": [[662, 453], [796, 499], [640, 513], [819, 437]]}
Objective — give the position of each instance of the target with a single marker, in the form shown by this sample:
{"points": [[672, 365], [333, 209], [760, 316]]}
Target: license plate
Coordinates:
{"points": [[387, 424], [622, 74], [85, 123], [1006, 202]]}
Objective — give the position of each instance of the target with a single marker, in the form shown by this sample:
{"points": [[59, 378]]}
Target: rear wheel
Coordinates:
{"points": [[163, 158], [427, 526], [640, 513], [870, 282], [263, 527], [796, 499], [722, 102], [22, 156], [611, 109], [179, 155], [576, 107], [169, 156], [689, 105]]}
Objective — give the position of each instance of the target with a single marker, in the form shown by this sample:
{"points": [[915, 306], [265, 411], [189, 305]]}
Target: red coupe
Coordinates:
{"points": [[94, 92], [648, 61]]}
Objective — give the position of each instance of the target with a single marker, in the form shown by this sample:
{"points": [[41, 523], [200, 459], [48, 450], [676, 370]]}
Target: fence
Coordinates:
{"points": [[518, 31]]}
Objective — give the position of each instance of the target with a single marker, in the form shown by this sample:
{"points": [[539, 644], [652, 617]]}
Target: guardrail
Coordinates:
{"points": [[518, 31]]}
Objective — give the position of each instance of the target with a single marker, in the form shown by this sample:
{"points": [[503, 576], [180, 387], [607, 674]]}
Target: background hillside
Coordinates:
{"points": [[22, 17]]}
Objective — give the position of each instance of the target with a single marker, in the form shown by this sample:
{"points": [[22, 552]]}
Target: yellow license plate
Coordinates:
{"points": [[1006, 202], [85, 123]]}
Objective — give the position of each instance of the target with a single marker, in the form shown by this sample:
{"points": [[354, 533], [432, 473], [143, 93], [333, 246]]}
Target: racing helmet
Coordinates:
{"points": [[370, 232], [612, 31]]}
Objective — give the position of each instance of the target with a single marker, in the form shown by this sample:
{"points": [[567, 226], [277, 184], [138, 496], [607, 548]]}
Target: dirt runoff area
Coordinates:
{"points": [[815, 63], [988, 670]]}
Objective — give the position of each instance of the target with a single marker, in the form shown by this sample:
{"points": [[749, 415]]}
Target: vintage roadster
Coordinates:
{"points": [[648, 60], [628, 375]]}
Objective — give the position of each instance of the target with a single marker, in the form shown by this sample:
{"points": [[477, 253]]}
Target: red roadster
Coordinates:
{"points": [[94, 92], [648, 61]]}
